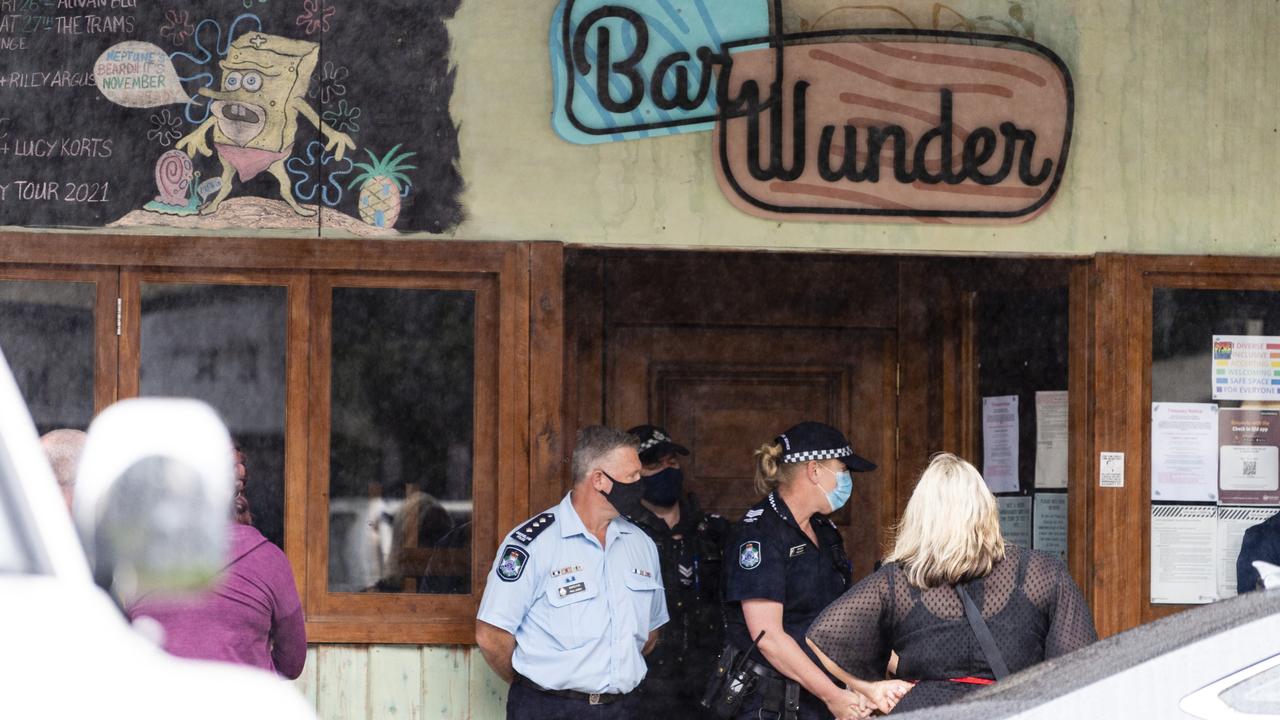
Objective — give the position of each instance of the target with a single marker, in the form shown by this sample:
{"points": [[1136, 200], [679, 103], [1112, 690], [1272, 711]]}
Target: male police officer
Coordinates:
{"points": [[575, 599], [690, 545]]}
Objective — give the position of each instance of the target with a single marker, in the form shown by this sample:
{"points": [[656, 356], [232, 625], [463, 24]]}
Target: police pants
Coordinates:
{"points": [[811, 708], [526, 703]]}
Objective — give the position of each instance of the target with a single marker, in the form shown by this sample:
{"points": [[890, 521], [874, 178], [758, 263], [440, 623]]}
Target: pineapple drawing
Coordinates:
{"points": [[382, 183]]}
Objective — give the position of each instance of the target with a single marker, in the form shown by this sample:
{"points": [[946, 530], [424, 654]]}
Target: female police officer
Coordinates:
{"points": [[784, 563]]}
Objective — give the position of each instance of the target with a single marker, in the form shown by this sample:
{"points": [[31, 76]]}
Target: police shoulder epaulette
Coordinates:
{"points": [[532, 529]]}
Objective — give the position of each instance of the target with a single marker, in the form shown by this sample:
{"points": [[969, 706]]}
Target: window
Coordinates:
{"points": [[382, 393]]}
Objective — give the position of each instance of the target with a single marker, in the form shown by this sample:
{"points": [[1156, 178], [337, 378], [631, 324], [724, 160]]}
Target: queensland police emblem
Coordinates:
{"points": [[749, 555], [511, 566]]}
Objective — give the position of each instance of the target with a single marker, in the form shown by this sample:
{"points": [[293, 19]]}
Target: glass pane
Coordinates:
{"points": [[1022, 344], [225, 344], [46, 333], [1183, 324], [401, 440]]}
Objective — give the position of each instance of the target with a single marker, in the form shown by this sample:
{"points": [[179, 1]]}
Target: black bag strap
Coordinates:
{"points": [[988, 643]]}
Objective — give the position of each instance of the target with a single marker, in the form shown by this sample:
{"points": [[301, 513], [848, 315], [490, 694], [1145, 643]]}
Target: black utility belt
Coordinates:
{"points": [[589, 698]]}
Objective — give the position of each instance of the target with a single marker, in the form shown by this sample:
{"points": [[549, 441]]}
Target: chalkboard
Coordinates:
{"points": [[315, 114]]}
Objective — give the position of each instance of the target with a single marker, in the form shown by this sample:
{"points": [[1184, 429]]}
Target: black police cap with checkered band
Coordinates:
{"points": [[655, 443], [819, 441]]}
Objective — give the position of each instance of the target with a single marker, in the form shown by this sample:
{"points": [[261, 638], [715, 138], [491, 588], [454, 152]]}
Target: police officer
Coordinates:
{"points": [[575, 597], [785, 563], [690, 546]]}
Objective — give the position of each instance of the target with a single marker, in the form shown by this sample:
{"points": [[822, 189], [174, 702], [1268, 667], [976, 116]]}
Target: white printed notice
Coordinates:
{"points": [[1232, 522], [1246, 367], [1184, 452], [1000, 443], [1051, 439], [1015, 519], [1050, 524], [1184, 541]]}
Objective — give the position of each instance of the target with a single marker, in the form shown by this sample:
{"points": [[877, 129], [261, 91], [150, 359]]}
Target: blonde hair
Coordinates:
{"points": [[770, 470], [950, 531]]}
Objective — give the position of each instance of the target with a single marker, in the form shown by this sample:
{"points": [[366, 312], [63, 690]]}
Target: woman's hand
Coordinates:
{"points": [[848, 705], [885, 694]]}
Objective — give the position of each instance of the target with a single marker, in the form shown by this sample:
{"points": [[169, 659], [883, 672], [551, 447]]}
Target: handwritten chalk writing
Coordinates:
{"points": [[13, 43], [54, 79], [67, 147], [53, 190], [97, 4]]}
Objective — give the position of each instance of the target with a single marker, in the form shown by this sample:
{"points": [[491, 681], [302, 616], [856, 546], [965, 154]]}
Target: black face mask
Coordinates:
{"points": [[663, 488], [625, 497]]}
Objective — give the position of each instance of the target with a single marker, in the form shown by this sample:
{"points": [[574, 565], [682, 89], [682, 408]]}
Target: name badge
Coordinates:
{"points": [[797, 550], [573, 589], [642, 573]]}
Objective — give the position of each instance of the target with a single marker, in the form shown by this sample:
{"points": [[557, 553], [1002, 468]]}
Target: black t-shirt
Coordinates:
{"points": [[1029, 601], [768, 557]]}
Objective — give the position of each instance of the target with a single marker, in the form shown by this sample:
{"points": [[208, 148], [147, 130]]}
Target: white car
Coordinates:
{"points": [[66, 650]]}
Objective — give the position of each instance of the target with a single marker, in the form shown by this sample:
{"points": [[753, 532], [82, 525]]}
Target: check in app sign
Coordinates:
{"points": [[856, 124]]}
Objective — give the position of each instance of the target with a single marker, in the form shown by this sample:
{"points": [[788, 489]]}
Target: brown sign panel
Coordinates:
{"points": [[927, 126]]}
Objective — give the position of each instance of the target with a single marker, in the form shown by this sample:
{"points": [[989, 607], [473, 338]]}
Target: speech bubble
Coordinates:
{"points": [[138, 75]]}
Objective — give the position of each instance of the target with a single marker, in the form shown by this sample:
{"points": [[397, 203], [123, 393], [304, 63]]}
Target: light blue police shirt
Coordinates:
{"points": [[580, 613]]}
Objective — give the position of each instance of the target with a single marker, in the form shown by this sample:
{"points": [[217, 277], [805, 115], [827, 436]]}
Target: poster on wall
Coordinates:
{"points": [[1050, 523], [1015, 519], [1000, 443], [1184, 451], [228, 115], [1184, 554], [1246, 367], [1249, 457], [1051, 439], [1232, 522]]}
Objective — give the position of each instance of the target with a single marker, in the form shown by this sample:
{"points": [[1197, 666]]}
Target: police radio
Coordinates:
{"points": [[732, 682]]}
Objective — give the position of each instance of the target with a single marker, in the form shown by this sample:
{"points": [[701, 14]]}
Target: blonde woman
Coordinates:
{"points": [[784, 563], [950, 536]]}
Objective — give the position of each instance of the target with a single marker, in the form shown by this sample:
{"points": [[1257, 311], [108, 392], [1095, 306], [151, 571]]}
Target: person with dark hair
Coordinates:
{"points": [[252, 616], [691, 548], [575, 599]]}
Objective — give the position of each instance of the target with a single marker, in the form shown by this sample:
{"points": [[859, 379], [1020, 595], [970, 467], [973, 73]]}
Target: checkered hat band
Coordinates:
{"points": [[808, 455], [657, 439]]}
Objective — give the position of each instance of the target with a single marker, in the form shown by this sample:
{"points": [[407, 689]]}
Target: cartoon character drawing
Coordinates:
{"points": [[254, 117]]}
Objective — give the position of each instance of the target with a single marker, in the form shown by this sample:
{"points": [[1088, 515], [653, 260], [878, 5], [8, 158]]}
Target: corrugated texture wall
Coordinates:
{"points": [[354, 682]]}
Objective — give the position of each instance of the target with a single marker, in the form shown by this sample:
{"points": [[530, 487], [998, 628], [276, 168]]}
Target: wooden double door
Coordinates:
{"points": [[654, 338]]}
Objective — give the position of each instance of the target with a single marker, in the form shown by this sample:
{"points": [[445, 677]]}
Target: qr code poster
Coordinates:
{"points": [[1248, 457]]}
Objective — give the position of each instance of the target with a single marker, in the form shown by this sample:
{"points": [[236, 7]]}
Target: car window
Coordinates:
{"points": [[17, 548], [1258, 695]]}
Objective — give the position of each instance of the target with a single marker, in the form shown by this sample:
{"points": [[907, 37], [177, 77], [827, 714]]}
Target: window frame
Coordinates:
{"points": [[526, 312]]}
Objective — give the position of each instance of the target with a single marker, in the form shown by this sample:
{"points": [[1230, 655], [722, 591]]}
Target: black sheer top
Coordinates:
{"points": [[1030, 603]]}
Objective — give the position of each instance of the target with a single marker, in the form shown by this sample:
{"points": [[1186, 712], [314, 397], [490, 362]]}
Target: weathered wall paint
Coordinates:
{"points": [[351, 682], [1176, 140]]}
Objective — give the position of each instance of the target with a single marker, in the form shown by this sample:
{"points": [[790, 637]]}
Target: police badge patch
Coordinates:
{"points": [[749, 555], [511, 566]]}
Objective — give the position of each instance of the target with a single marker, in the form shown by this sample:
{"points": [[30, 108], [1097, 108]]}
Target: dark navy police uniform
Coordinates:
{"points": [[768, 557]]}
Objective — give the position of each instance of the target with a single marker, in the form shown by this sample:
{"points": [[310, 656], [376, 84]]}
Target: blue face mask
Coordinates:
{"points": [[844, 488]]}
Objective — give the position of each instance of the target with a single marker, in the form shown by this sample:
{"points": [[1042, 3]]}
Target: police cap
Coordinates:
{"points": [[819, 441], [655, 443]]}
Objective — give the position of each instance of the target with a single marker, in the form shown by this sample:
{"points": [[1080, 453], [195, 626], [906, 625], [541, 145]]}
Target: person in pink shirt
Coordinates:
{"points": [[252, 615]]}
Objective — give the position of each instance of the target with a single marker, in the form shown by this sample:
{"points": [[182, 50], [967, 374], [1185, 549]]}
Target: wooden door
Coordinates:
{"points": [[724, 391]]}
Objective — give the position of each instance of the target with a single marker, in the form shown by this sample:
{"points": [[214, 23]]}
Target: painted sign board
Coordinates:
{"points": [[852, 124], [866, 125]]}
